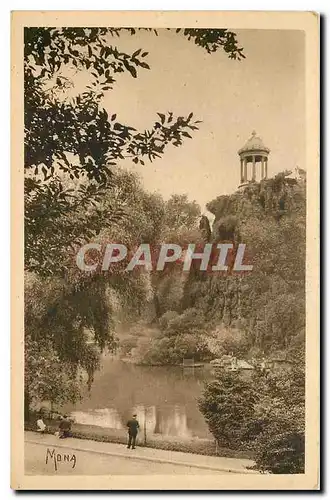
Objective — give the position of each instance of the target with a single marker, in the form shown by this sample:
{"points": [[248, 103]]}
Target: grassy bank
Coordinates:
{"points": [[107, 435]]}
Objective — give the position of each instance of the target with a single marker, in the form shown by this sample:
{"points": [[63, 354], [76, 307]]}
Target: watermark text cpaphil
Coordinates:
{"points": [[211, 257]]}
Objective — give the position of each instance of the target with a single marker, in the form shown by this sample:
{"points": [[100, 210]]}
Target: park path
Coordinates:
{"points": [[92, 457]]}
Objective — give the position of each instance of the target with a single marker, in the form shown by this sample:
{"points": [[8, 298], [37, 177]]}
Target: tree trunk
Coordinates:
{"points": [[27, 401], [157, 306]]}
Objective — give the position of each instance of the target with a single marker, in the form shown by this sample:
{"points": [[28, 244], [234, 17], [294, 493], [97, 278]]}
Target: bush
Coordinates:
{"points": [[190, 346], [171, 350], [190, 321], [280, 445], [166, 318], [181, 336], [228, 341], [228, 407], [265, 415], [127, 344], [282, 453]]}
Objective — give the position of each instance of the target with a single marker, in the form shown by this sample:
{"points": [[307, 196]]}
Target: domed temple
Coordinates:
{"points": [[256, 154]]}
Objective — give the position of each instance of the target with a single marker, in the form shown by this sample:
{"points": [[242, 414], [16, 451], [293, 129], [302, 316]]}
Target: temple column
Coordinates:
{"points": [[262, 168], [242, 173], [266, 168], [253, 168], [245, 170]]}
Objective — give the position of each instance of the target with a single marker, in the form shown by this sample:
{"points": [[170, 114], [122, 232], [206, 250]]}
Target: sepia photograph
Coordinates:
{"points": [[165, 246]]}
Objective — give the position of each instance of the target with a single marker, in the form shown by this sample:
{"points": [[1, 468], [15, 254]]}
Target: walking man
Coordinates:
{"points": [[133, 427]]}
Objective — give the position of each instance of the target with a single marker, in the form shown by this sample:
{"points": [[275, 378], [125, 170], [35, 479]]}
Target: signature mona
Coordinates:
{"points": [[52, 456]]}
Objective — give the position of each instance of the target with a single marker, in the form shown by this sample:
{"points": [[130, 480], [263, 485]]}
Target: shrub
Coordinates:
{"points": [[166, 318], [127, 344], [228, 407], [265, 415], [190, 321], [282, 453], [280, 445]]}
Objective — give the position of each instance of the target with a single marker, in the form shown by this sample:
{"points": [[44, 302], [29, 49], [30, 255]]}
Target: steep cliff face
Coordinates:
{"points": [[273, 198], [266, 304]]}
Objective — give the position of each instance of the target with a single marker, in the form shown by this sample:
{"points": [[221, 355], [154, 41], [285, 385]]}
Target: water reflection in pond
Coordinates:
{"points": [[164, 397]]}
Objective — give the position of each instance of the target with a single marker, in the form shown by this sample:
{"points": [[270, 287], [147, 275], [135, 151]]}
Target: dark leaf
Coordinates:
{"points": [[162, 117]]}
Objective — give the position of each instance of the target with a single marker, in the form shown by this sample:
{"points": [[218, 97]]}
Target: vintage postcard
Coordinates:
{"points": [[165, 250]]}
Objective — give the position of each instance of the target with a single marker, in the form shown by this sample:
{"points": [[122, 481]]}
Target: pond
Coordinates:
{"points": [[164, 399]]}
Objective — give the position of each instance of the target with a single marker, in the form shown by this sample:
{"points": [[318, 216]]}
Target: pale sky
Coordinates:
{"points": [[264, 92]]}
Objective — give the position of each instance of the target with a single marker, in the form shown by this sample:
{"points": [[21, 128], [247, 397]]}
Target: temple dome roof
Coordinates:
{"points": [[254, 144]]}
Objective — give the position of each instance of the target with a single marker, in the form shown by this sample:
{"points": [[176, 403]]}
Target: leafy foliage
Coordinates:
{"points": [[228, 406], [265, 414], [268, 304], [47, 377], [252, 314], [212, 40], [282, 452], [182, 336], [70, 137], [280, 415]]}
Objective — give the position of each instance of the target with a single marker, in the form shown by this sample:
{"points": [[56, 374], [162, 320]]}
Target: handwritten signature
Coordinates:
{"points": [[57, 458]]}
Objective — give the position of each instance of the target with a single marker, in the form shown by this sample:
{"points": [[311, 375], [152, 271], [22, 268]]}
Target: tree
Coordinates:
{"points": [[47, 377], [181, 214], [71, 137], [179, 225], [65, 331]]}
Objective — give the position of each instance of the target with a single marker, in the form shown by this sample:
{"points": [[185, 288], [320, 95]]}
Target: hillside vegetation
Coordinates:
{"points": [[252, 314]]}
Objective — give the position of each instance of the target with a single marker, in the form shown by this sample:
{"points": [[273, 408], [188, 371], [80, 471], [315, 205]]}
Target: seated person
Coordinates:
{"points": [[41, 426], [65, 428]]}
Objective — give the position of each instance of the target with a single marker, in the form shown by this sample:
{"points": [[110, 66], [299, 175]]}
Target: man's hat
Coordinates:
{"points": [[135, 415]]}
